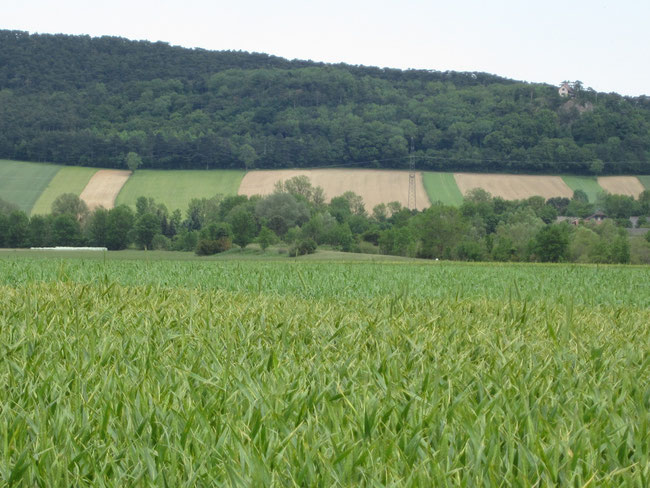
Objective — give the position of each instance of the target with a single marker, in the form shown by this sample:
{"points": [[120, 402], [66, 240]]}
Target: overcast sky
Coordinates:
{"points": [[604, 44]]}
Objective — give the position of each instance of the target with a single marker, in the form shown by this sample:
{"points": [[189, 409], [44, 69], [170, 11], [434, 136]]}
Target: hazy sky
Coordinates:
{"points": [[604, 44]]}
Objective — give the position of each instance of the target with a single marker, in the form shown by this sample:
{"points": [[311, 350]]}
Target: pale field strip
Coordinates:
{"points": [[374, 186], [621, 185], [514, 187], [103, 188]]}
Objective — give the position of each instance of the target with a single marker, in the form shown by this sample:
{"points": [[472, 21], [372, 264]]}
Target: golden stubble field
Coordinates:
{"points": [[374, 186], [103, 188], [514, 187], [621, 185]]}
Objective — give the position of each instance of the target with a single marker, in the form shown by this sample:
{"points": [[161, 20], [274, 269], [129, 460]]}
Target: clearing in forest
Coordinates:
{"points": [[514, 187], [373, 185], [621, 185], [103, 187], [442, 187], [588, 184], [21, 183], [175, 188], [69, 179]]}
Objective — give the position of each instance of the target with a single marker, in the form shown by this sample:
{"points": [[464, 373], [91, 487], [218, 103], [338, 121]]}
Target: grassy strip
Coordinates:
{"points": [[442, 187], [110, 384], [69, 179], [251, 253], [22, 183], [176, 188], [562, 284], [588, 184], [645, 181]]}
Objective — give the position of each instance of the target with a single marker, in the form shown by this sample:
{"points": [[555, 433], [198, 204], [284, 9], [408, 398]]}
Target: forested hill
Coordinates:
{"points": [[91, 101]]}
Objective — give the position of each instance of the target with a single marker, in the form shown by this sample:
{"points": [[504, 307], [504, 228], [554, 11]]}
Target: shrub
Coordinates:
{"points": [[302, 247], [160, 243], [623, 222], [208, 247], [185, 241], [367, 248]]}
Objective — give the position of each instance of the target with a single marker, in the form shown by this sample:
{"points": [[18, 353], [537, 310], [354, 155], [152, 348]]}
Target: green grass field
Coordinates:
{"points": [[176, 188], [245, 373], [645, 181], [442, 187], [22, 183], [69, 179], [588, 184]]}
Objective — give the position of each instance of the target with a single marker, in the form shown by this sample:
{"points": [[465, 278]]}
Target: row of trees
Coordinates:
{"points": [[77, 100], [297, 217]]}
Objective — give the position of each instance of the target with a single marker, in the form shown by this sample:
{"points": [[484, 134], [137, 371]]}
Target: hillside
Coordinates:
{"points": [[89, 101]]}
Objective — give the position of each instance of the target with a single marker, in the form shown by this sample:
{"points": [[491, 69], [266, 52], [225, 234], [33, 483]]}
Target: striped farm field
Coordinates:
{"points": [[170, 373], [22, 183], [69, 179], [514, 187], [175, 188], [588, 184], [442, 187], [103, 187], [621, 185], [373, 185]]}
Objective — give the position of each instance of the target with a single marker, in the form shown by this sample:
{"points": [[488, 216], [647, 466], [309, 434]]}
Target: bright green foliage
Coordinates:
{"points": [[146, 227], [243, 224], [22, 183], [588, 184], [442, 187], [119, 223], [71, 204], [268, 374], [551, 243], [69, 179], [175, 189], [133, 161], [266, 237]]}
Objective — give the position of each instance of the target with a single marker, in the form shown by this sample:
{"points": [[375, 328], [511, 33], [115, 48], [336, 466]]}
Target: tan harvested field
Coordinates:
{"points": [[621, 185], [514, 187], [374, 186], [103, 187]]}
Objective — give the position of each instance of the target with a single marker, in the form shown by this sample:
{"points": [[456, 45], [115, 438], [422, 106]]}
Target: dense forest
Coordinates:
{"points": [[91, 101]]}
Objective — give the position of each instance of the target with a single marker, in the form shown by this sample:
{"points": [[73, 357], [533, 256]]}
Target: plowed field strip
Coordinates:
{"points": [[103, 187], [374, 186], [514, 187], [621, 185]]}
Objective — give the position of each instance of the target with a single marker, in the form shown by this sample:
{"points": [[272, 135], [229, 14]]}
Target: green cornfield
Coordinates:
{"points": [[170, 373]]}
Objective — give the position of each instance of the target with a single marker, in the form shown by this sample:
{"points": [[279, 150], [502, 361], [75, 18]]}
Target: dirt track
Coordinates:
{"points": [[103, 187], [621, 185], [374, 186], [514, 187]]}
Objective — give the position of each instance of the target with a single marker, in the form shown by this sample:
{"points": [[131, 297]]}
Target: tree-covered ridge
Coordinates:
{"points": [[91, 101]]}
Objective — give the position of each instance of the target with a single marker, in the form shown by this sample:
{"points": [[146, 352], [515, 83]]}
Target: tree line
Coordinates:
{"points": [[92, 101], [296, 219]]}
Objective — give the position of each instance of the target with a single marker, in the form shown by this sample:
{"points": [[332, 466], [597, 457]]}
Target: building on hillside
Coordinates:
{"points": [[565, 90], [597, 217], [568, 220]]}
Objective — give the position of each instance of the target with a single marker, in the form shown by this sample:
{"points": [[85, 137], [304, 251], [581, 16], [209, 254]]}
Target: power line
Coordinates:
{"points": [[411, 198], [455, 162]]}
